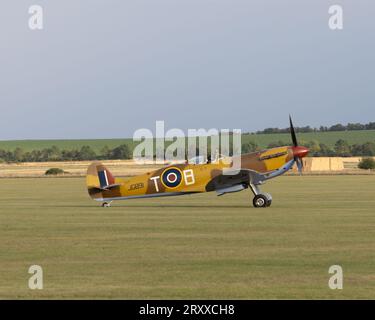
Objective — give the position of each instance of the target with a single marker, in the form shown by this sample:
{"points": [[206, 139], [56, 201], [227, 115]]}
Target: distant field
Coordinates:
{"points": [[72, 168], [200, 246], [329, 138]]}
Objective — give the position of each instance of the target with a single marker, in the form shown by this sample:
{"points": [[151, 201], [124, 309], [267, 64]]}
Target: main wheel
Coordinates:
{"points": [[262, 200]]}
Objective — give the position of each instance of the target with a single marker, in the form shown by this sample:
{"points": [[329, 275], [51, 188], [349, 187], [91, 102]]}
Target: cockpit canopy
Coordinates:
{"points": [[203, 159], [198, 160]]}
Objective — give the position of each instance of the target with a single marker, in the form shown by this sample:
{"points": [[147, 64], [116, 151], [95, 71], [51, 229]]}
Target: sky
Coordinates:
{"points": [[103, 69]]}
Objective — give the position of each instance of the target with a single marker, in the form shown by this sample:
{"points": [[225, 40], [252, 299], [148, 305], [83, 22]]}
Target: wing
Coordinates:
{"points": [[237, 181]]}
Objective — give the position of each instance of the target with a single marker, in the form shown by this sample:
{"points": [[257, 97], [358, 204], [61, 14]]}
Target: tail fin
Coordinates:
{"points": [[99, 179]]}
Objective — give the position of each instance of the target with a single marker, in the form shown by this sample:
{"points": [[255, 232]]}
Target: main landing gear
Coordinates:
{"points": [[261, 200]]}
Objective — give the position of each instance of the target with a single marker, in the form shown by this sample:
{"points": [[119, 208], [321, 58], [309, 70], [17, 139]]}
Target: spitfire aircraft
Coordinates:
{"points": [[189, 178]]}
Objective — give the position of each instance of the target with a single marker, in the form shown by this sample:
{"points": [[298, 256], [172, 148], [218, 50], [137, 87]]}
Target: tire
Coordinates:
{"points": [[269, 199], [106, 205], [261, 201], [269, 202]]}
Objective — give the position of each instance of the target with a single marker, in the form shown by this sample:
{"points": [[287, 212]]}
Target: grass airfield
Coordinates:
{"points": [[199, 246]]}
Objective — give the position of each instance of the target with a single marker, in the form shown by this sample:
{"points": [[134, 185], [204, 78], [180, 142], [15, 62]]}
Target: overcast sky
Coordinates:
{"points": [[102, 69]]}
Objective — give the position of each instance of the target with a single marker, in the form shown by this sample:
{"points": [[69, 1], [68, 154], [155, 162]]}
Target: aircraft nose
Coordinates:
{"points": [[300, 152]]}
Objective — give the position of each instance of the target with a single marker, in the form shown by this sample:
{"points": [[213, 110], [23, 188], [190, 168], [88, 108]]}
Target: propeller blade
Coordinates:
{"points": [[293, 132], [299, 165]]}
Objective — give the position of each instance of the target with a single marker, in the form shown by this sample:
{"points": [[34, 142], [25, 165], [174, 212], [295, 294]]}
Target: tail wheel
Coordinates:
{"points": [[106, 204], [262, 200]]}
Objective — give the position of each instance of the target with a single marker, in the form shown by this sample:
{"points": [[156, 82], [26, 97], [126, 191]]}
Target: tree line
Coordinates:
{"points": [[336, 127], [55, 154], [341, 149]]}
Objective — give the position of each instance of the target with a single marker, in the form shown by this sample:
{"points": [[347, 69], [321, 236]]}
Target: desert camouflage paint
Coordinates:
{"points": [[185, 178]]}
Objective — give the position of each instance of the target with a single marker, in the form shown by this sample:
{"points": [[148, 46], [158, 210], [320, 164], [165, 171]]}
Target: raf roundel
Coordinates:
{"points": [[172, 177]]}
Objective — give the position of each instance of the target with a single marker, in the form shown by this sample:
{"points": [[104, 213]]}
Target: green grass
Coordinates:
{"points": [[329, 138], [199, 246]]}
